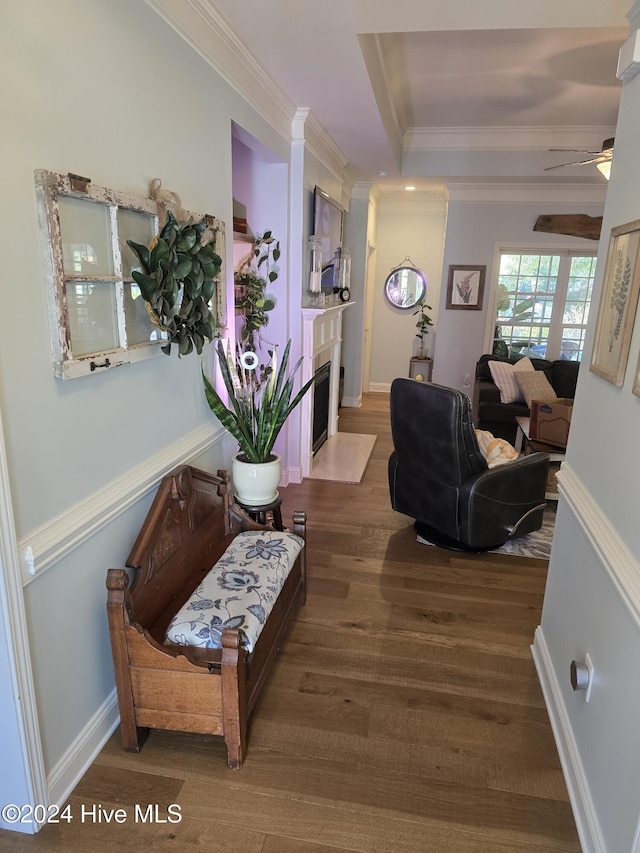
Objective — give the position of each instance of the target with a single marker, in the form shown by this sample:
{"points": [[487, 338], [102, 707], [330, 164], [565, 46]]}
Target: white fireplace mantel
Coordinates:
{"points": [[321, 342]]}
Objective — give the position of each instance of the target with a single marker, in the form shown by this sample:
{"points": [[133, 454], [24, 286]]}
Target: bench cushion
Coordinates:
{"points": [[238, 592]]}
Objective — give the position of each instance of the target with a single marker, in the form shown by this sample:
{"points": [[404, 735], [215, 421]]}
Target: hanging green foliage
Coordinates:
{"points": [[178, 281], [255, 273]]}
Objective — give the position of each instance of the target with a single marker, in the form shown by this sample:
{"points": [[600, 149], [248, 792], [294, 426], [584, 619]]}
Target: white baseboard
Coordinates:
{"points": [[380, 387], [584, 812], [293, 474], [78, 758], [351, 402]]}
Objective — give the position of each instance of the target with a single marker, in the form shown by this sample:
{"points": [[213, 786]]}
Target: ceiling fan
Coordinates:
{"points": [[601, 159]]}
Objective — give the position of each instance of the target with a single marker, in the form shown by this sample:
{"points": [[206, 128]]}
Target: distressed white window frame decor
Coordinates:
{"points": [[72, 351]]}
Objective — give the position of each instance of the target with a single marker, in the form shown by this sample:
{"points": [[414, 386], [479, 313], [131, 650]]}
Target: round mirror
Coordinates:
{"points": [[405, 287]]}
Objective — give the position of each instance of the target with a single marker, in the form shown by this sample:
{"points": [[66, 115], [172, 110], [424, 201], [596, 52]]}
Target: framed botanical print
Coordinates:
{"points": [[465, 287], [618, 302]]}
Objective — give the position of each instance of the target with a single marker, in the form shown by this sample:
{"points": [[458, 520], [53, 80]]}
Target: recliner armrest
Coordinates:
{"points": [[518, 482], [504, 501]]}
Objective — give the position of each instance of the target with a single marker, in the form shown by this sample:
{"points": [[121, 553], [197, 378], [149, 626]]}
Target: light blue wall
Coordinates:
{"points": [[474, 230], [592, 600], [109, 91]]}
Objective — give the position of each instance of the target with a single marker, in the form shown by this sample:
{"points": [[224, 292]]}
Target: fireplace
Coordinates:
{"points": [[321, 343], [321, 394]]}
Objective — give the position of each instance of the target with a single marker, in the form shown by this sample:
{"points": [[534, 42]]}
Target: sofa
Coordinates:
{"points": [[491, 414]]}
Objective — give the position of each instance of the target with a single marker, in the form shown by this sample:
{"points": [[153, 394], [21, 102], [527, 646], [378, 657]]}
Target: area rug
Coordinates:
{"points": [[343, 458], [536, 545]]}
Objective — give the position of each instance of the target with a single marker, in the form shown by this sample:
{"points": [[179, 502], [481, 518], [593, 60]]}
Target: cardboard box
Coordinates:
{"points": [[550, 420]]}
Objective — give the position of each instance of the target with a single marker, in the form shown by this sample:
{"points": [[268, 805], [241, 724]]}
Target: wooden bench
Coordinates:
{"points": [[204, 689]]}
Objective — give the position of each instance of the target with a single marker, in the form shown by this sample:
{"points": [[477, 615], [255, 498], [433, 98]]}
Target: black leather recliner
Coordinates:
{"points": [[438, 476]]}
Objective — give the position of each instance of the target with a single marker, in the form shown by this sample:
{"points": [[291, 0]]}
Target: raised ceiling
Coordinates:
{"points": [[448, 95]]}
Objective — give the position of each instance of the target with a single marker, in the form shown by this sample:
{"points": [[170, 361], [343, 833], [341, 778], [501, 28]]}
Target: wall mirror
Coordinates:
{"points": [[405, 286]]}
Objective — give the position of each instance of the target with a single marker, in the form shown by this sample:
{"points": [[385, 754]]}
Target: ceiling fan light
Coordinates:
{"points": [[605, 168]]}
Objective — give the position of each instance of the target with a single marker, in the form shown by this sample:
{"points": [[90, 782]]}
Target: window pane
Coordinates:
{"points": [[139, 227], [86, 237], [92, 317], [526, 289], [528, 308], [140, 329]]}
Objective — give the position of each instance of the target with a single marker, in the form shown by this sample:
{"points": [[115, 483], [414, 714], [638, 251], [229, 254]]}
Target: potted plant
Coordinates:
{"points": [[256, 412], [177, 283], [423, 327], [258, 270]]}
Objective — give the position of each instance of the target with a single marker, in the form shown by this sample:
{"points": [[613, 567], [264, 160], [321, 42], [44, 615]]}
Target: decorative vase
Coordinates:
{"points": [[315, 266], [256, 483]]}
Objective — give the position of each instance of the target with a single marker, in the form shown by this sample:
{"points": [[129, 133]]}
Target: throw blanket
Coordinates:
{"points": [[496, 451]]}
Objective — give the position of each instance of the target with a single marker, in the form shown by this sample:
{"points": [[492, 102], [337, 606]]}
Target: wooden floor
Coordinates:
{"points": [[403, 714]]}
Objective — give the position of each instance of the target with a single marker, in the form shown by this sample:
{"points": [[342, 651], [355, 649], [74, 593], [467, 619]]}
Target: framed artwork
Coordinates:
{"points": [[465, 288], [636, 380], [618, 302]]}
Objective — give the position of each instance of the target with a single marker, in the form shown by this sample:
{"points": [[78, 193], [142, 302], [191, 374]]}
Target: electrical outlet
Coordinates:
{"points": [[466, 381]]}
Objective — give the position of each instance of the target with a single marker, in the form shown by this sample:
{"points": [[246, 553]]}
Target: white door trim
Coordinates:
{"points": [[16, 642]]}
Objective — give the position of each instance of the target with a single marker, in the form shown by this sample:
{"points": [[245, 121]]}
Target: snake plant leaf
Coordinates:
{"points": [[257, 408]]}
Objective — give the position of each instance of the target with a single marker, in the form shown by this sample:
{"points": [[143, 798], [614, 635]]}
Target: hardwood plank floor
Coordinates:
{"points": [[403, 714]]}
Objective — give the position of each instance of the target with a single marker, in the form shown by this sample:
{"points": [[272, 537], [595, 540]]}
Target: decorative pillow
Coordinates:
{"points": [[535, 386], [504, 375], [496, 451]]}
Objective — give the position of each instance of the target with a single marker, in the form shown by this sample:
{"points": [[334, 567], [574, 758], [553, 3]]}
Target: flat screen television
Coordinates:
{"points": [[328, 218]]}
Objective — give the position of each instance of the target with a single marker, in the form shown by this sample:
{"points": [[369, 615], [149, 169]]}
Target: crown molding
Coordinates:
{"points": [[562, 194], [206, 31], [430, 200], [629, 58], [418, 204], [503, 138], [633, 15], [324, 149], [361, 191]]}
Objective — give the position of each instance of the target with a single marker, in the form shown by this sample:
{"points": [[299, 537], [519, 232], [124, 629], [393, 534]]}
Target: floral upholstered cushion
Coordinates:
{"points": [[238, 592]]}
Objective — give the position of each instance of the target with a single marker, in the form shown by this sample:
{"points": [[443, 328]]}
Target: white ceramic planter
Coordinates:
{"points": [[256, 484]]}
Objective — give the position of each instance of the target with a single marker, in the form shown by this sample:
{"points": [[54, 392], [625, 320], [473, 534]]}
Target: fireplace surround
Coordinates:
{"points": [[321, 343]]}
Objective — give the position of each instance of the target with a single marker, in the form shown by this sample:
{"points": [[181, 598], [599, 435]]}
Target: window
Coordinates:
{"points": [[543, 303], [97, 316]]}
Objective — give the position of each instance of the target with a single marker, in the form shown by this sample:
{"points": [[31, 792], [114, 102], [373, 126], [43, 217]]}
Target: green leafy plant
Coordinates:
{"points": [[178, 281], [257, 408], [423, 325], [256, 272]]}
